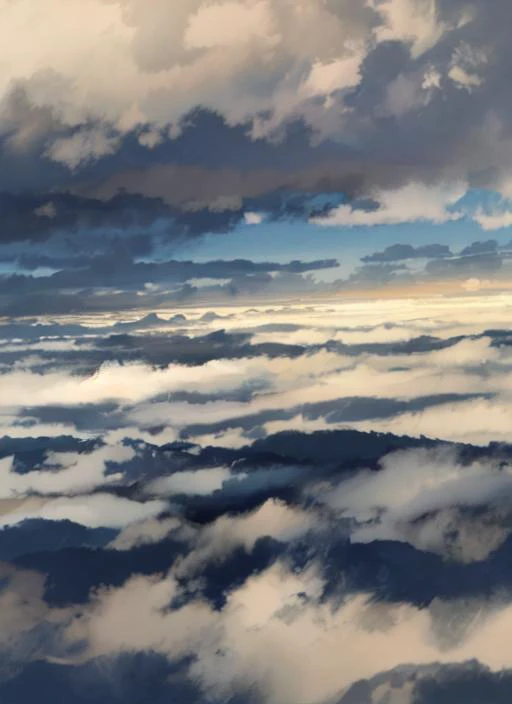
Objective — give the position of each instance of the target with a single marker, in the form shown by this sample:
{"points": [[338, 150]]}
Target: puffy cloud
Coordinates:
{"points": [[129, 383], [143, 533], [131, 69], [212, 61], [253, 218], [81, 147], [412, 203], [64, 473], [414, 496], [478, 422], [93, 511], [276, 635], [413, 21], [273, 519], [493, 221], [227, 24], [199, 482]]}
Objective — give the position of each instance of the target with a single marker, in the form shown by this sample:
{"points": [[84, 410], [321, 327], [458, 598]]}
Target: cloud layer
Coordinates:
{"points": [[234, 517]]}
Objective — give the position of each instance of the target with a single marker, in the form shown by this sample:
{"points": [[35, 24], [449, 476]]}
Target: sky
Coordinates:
{"points": [[255, 351], [324, 132]]}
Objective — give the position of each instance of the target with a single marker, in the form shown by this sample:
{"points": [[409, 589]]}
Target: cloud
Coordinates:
{"points": [[401, 252], [413, 203], [132, 284], [329, 66], [93, 511], [484, 421], [83, 146], [47, 210], [229, 23], [416, 23], [479, 263], [249, 562], [64, 473], [477, 248], [143, 533], [131, 382], [474, 284], [208, 64], [493, 221], [416, 483], [253, 218], [275, 634], [198, 482], [272, 519]]}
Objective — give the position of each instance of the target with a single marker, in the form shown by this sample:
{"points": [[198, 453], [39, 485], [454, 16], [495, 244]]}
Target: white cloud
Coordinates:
{"points": [[198, 482], [129, 66], [144, 533], [326, 78], [414, 202], [447, 532], [64, 473], [493, 221], [273, 519], [290, 646], [83, 146], [93, 511], [463, 79], [413, 21], [229, 24], [478, 422], [253, 218], [150, 139], [413, 482], [466, 63], [128, 382]]}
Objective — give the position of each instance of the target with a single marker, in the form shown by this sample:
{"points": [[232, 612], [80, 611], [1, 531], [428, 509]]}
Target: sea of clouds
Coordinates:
{"points": [[303, 503]]}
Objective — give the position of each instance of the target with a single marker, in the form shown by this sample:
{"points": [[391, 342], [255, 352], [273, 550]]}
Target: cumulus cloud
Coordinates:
{"points": [[412, 203], [434, 481], [276, 635], [144, 71], [427, 485], [493, 221], [210, 61]]}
